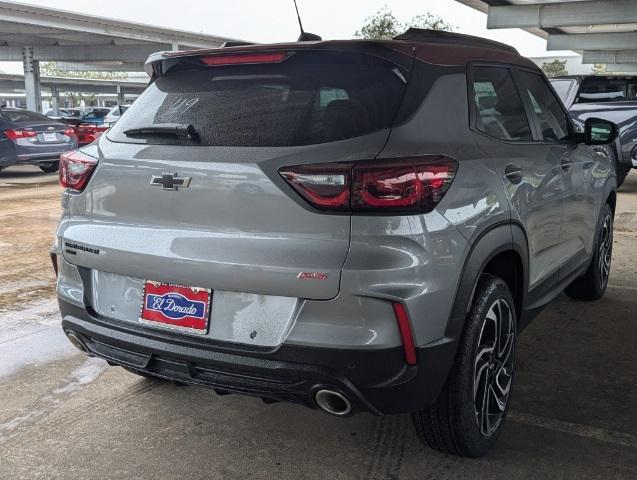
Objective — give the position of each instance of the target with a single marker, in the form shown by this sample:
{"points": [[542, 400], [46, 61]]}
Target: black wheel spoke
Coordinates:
{"points": [[484, 410], [605, 250]]}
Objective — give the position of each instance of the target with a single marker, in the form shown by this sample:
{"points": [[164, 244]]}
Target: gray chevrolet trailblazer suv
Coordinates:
{"points": [[355, 226]]}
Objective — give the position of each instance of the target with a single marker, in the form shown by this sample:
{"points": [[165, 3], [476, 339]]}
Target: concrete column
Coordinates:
{"points": [[175, 45], [55, 100], [120, 95], [31, 80]]}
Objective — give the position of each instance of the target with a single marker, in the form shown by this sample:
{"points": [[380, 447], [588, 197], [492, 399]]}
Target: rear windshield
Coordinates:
{"points": [[308, 99], [603, 89], [22, 116]]}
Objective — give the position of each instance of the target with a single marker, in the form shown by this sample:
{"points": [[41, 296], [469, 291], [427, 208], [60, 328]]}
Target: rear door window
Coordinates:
{"points": [[305, 100], [499, 109], [545, 107]]}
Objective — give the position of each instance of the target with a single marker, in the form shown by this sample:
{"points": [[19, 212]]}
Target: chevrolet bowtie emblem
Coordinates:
{"points": [[170, 181]]}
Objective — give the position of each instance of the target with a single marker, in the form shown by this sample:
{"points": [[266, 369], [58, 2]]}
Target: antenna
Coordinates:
{"points": [[305, 36]]}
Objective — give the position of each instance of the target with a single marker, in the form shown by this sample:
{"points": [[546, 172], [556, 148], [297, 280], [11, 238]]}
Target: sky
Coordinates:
{"points": [[275, 20]]}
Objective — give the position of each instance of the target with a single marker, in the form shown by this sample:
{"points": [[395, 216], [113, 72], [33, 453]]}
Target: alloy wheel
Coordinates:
{"points": [[605, 251], [493, 367]]}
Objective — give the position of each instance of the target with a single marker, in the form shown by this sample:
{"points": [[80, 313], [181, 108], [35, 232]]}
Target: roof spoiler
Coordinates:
{"points": [[236, 43], [424, 35]]}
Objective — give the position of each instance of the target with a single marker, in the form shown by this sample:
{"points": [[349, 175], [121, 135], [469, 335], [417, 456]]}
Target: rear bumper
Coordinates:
{"points": [[34, 154], [376, 381], [35, 158]]}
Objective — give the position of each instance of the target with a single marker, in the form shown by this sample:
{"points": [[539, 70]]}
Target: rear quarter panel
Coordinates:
{"points": [[419, 259]]}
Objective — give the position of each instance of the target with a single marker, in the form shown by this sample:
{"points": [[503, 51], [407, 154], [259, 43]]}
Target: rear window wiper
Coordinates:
{"points": [[176, 129]]}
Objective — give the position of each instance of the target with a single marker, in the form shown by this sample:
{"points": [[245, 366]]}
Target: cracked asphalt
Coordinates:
{"points": [[65, 416]]}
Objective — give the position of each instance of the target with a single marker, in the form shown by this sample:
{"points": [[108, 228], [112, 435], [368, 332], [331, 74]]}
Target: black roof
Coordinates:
{"points": [[423, 35]]}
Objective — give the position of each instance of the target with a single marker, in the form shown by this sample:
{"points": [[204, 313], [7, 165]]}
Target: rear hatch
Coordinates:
{"points": [[234, 224], [47, 133]]}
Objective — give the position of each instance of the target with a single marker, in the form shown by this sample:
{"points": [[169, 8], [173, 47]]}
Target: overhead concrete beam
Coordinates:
{"points": [[101, 67], [11, 82], [609, 56], [626, 68], [70, 21], [592, 41], [86, 53], [566, 14]]}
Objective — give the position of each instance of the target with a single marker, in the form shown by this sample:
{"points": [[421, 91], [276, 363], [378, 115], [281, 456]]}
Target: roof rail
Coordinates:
{"points": [[436, 36]]}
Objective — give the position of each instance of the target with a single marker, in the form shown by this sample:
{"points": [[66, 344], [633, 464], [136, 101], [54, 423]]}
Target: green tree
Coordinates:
{"points": [[599, 69], [383, 25], [429, 21], [555, 68], [50, 69]]}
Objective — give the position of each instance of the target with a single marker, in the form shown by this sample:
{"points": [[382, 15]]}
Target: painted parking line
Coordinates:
{"points": [[622, 287], [584, 431]]}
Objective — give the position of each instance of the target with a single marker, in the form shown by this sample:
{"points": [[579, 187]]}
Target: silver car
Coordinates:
{"points": [[355, 226]]}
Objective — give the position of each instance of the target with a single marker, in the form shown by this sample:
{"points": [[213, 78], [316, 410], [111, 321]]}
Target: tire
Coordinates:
{"points": [[456, 423], [592, 285], [49, 167], [622, 173]]}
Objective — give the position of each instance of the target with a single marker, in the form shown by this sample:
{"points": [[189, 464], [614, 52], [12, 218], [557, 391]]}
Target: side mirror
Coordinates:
{"points": [[599, 132]]}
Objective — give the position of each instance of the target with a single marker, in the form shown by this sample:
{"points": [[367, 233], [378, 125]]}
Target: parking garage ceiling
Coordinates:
{"points": [[14, 83], [71, 37], [603, 31]]}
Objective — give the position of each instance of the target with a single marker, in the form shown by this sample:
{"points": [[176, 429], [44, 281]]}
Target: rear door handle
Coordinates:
{"points": [[513, 173]]}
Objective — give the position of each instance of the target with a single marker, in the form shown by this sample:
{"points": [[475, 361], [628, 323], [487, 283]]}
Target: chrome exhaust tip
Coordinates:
{"points": [[334, 403], [77, 342]]}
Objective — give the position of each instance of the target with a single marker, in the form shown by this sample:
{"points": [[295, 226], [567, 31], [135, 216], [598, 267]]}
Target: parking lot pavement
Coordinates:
{"points": [[25, 176], [62, 415]]}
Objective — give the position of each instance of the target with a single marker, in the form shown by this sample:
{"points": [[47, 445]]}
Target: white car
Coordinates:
{"points": [[113, 115]]}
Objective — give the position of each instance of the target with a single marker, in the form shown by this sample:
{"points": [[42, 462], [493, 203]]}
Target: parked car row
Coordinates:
{"points": [[93, 115], [28, 137]]}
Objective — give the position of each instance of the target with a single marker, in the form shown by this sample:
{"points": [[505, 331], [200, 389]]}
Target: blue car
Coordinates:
{"points": [[92, 115], [31, 138]]}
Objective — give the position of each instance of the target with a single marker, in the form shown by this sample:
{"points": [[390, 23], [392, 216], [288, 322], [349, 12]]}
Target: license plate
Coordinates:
{"points": [[50, 137], [176, 307]]}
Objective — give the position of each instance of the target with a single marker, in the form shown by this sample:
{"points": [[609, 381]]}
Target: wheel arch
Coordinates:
{"points": [[611, 199], [493, 252]]}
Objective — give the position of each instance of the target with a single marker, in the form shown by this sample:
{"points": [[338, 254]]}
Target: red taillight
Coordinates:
{"points": [[70, 132], [16, 134], [404, 326], [76, 169], [238, 59], [55, 260], [407, 185]]}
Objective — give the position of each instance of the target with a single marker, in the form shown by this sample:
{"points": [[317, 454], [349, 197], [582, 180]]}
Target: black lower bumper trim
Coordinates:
{"points": [[376, 381]]}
